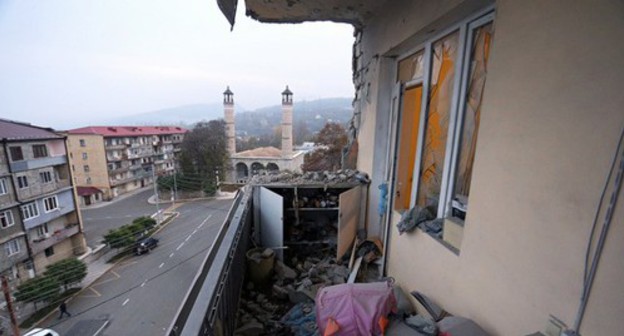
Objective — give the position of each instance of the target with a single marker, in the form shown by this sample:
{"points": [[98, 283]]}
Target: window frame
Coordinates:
{"points": [[82, 143], [12, 152], [3, 187], [85, 156], [32, 209], [22, 181], [42, 176], [10, 223], [465, 29], [40, 151], [49, 200], [11, 251]]}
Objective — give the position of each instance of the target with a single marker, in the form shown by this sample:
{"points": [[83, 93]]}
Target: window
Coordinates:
{"points": [[11, 247], [88, 180], [16, 153], [436, 141], [40, 151], [50, 203], [22, 182], [6, 219], [3, 187], [84, 156], [42, 230], [82, 143], [49, 251], [73, 168], [30, 211], [45, 177], [86, 168]]}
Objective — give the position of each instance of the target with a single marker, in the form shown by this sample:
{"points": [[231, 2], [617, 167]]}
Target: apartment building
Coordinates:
{"points": [[39, 221], [108, 161]]}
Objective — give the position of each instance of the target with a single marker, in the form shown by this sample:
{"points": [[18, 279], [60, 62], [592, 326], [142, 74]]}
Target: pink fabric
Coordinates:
{"points": [[356, 308]]}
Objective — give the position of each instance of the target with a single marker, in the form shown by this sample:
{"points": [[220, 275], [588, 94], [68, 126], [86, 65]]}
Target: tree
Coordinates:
{"points": [[67, 271], [41, 288], [204, 153], [332, 138]]}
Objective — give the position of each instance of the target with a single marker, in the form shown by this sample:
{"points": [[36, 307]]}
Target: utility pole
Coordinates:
{"points": [[9, 301], [156, 194], [175, 184]]}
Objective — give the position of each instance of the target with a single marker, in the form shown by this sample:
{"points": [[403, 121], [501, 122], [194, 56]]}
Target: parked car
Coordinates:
{"points": [[42, 332], [145, 245]]}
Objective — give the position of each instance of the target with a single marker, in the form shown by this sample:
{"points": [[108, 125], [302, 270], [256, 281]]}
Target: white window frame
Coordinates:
{"points": [[50, 201], [465, 30], [43, 174], [30, 211], [42, 230], [8, 218], [24, 184], [3, 187], [12, 247]]}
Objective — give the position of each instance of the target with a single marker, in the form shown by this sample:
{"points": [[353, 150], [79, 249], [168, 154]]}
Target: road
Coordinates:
{"points": [[97, 221], [141, 294]]}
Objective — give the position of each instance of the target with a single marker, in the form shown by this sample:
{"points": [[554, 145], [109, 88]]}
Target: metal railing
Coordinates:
{"points": [[210, 305]]}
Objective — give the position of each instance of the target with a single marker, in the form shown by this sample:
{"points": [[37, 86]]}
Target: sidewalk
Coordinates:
{"points": [[116, 199]]}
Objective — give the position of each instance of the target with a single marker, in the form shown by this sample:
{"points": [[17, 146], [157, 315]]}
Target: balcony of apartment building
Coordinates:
{"points": [[53, 159], [15, 250], [52, 236], [118, 167], [47, 208], [115, 146], [118, 157], [35, 183]]}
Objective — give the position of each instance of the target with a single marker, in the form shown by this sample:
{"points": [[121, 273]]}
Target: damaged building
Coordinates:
{"points": [[493, 132]]}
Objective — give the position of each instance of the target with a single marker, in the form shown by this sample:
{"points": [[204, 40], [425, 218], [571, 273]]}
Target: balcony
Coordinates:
{"points": [[38, 189], [54, 238], [116, 147], [118, 170], [19, 166]]}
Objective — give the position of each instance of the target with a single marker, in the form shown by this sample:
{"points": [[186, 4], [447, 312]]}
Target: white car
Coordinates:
{"points": [[41, 332]]}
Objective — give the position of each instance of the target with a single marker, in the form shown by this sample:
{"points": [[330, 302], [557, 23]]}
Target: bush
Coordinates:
{"points": [[41, 288], [67, 272]]}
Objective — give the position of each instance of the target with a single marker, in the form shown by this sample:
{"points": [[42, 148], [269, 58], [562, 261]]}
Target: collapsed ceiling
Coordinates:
{"points": [[355, 12]]}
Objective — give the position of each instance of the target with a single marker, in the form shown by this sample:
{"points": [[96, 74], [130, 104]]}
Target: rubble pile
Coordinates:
{"points": [[346, 176], [285, 305]]}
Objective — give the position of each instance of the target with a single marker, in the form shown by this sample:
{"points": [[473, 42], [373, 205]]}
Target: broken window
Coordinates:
{"points": [[480, 49], [410, 120], [437, 120]]}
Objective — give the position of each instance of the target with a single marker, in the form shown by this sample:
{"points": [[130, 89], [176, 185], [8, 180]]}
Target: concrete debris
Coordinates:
{"points": [[251, 328], [346, 176], [284, 271], [414, 217]]}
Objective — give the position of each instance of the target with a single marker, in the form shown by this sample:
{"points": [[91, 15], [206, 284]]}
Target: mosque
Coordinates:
{"points": [[245, 164]]}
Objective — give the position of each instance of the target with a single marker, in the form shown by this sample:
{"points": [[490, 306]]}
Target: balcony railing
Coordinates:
{"points": [[210, 305], [55, 238], [38, 189], [116, 147], [48, 161]]}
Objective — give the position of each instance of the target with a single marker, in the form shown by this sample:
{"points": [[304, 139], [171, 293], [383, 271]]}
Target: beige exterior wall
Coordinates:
{"points": [[96, 160], [62, 250], [550, 121]]}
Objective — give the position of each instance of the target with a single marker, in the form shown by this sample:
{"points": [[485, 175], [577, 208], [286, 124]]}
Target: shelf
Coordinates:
{"points": [[314, 209]]}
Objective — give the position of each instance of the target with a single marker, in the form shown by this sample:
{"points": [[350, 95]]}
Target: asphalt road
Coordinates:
{"points": [[98, 221], [141, 294]]}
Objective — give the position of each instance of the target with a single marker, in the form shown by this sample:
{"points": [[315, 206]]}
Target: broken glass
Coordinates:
{"points": [[437, 120]]}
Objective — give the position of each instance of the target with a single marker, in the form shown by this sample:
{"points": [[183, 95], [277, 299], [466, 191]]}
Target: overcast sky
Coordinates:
{"points": [[70, 63]]}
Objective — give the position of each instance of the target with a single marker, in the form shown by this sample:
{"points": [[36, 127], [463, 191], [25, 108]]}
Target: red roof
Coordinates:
{"points": [[87, 191], [129, 130]]}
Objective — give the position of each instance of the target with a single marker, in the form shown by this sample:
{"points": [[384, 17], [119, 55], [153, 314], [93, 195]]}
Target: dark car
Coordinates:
{"points": [[145, 245]]}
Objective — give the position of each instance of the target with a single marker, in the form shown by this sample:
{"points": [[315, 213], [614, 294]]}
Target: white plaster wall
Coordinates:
{"points": [[551, 117]]}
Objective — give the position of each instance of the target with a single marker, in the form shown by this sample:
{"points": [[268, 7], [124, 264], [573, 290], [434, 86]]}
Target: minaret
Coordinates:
{"points": [[287, 109], [228, 111]]}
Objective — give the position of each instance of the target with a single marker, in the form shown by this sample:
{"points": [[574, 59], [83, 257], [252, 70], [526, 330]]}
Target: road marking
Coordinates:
{"points": [[180, 246], [97, 294], [194, 232], [161, 265], [108, 217], [124, 303], [101, 328], [204, 221], [117, 276], [171, 255], [144, 282], [187, 238]]}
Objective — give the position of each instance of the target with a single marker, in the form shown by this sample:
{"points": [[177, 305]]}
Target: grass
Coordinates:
{"points": [[41, 313]]}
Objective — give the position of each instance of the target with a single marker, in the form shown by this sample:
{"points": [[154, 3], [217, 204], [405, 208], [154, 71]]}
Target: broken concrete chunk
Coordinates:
{"points": [[284, 271], [267, 253], [280, 292]]}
